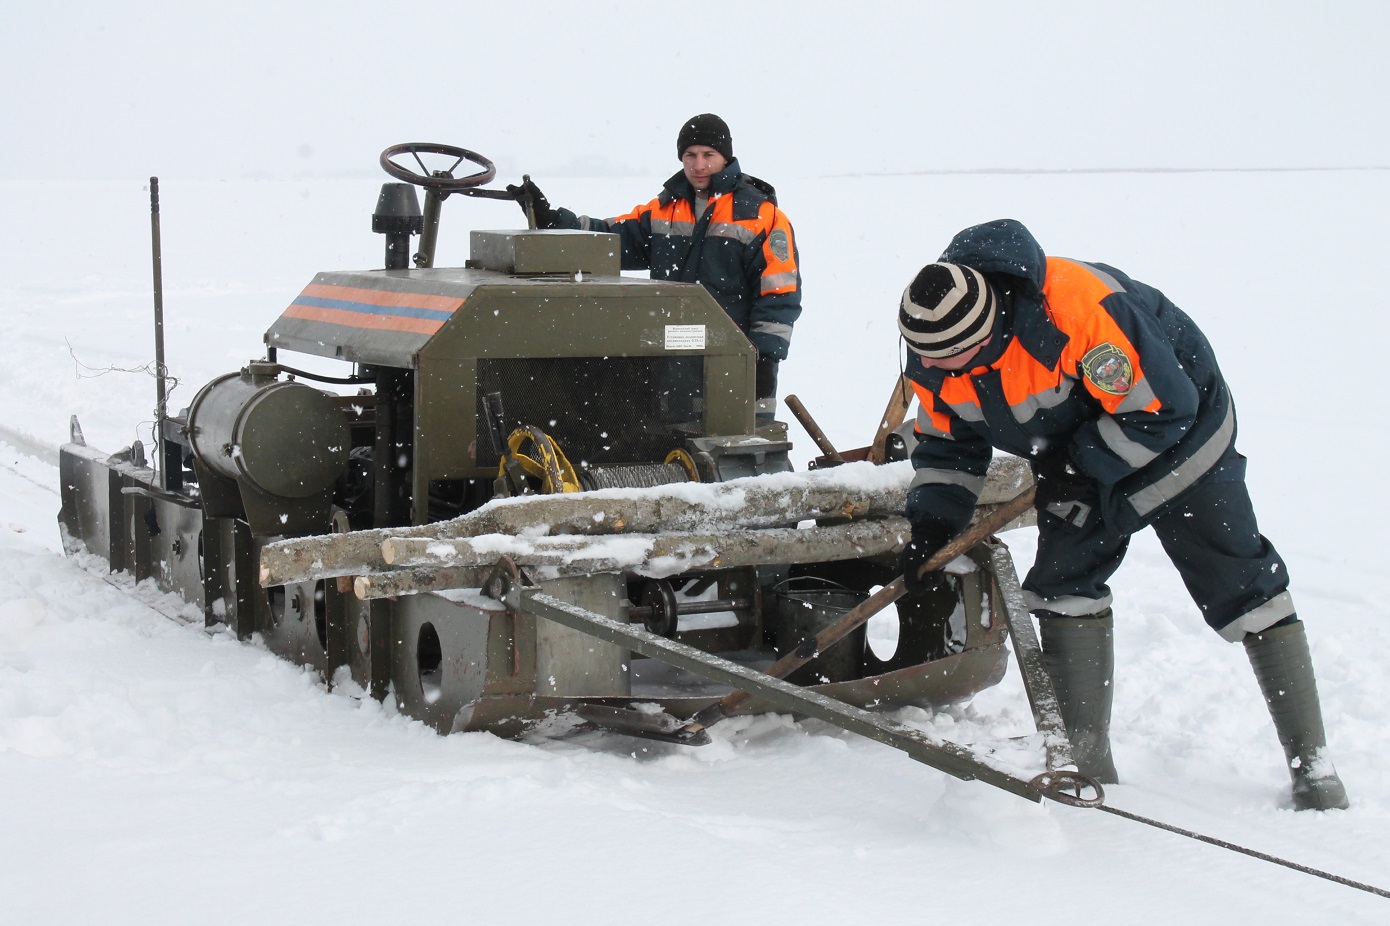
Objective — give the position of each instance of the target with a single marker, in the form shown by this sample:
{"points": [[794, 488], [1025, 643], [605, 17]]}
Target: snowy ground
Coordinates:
{"points": [[151, 773]]}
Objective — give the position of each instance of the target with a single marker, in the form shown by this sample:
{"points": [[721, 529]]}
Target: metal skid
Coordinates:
{"points": [[522, 654]]}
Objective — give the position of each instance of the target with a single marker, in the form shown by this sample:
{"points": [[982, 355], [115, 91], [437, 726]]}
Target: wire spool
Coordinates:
{"points": [[633, 476], [678, 467], [539, 456]]}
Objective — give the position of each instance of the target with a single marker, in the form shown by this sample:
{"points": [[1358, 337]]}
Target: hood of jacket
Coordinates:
{"points": [[1002, 246], [1014, 263]]}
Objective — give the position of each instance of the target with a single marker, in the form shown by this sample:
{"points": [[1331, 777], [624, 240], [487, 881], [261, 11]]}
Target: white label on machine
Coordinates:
{"points": [[685, 337]]}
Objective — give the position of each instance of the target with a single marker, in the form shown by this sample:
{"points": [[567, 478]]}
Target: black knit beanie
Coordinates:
{"points": [[947, 309], [705, 129]]}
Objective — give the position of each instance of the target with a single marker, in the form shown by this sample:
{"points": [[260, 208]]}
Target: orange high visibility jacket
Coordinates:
{"points": [[1084, 359], [741, 249]]}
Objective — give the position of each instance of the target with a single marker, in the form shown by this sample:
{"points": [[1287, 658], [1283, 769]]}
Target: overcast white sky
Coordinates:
{"points": [[246, 89]]}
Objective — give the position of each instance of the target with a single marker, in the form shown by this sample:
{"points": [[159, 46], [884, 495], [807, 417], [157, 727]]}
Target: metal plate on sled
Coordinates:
{"points": [[929, 685], [92, 513], [932, 684]]}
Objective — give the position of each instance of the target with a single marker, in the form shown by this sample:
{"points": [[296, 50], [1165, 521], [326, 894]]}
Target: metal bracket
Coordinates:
{"points": [[1052, 785], [504, 576], [1042, 696]]}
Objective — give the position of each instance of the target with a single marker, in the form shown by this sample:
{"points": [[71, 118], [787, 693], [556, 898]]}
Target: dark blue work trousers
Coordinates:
{"points": [[1232, 572]]}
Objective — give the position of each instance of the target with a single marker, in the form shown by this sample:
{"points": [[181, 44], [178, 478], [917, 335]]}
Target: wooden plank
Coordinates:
{"points": [[893, 415]]}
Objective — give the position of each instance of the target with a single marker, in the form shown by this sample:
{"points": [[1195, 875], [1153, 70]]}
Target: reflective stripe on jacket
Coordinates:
{"points": [[742, 250], [1084, 358]]}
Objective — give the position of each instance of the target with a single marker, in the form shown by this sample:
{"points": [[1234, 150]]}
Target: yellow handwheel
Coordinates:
{"points": [[549, 464], [686, 461]]}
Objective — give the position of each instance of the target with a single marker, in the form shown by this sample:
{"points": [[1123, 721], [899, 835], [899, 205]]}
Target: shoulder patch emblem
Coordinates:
{"points": [[780, 245], [1109, 369]]}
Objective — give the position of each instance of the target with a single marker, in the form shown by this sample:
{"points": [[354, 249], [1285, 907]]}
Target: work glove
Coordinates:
{"points": [[532, 201], [1062, 490], [927, 538], [1058, 479]]}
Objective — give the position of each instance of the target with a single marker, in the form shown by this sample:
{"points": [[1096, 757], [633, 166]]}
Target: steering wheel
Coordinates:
{"points": [[442, 180]]}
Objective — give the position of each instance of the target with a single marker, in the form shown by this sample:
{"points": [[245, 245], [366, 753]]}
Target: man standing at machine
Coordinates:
{"points": [[715, 225], [1116, 397]]}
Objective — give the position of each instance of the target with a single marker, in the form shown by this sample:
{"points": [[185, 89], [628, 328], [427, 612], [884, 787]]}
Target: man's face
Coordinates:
{"points": [[700, 164]]}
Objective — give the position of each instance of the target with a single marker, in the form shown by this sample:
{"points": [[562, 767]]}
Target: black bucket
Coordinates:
{"points": [[806, 605]]}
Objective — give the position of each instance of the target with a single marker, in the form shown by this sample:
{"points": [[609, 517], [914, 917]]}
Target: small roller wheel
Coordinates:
{"points": [[663, 614]]}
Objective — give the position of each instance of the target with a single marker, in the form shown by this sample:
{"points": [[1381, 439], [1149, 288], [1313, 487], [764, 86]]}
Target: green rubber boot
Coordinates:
{"points": [[1284, 669], [1079, 654]]}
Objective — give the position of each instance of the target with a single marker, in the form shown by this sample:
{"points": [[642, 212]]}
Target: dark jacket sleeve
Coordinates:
{"points": [[775, 283], [949, 465], [634, 231]]}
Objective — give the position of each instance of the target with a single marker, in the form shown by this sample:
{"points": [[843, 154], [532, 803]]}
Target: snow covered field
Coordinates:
{"points": [[152, 774]]}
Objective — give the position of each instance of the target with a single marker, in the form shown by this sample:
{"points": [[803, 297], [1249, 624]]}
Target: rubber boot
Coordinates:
{"points": [[1284, 669], [1079, 653]]}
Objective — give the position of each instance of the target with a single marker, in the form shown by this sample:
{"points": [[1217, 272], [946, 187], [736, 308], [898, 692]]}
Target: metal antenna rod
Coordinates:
{"points": [[160, 395]]}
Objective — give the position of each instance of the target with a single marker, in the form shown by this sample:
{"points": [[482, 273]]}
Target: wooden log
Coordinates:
{"points": [[430, 565], [775, 500], [760, 501], [854, 491], [422, 579], [663, 554], [302, 558]]}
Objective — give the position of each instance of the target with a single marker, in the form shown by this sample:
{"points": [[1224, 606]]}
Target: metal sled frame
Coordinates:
{"points": [[520, 597]]}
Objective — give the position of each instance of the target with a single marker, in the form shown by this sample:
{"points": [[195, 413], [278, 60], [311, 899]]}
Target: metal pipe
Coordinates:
{"points": [[813, 429], [161, 394], [433, 204], [714, 606]]}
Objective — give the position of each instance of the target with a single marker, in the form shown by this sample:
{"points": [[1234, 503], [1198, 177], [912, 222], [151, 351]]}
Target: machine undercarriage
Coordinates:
{"points": [[538, 490]]}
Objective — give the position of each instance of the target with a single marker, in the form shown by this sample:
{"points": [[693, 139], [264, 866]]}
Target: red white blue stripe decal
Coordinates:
{"points": [[379, 310]]}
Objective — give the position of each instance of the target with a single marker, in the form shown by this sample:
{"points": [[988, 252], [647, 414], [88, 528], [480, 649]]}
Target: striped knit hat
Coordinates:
{"points": [[947, 309]]}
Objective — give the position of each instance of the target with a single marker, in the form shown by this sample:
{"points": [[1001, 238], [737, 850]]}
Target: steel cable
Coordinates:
{"points": [[1253, 853]]}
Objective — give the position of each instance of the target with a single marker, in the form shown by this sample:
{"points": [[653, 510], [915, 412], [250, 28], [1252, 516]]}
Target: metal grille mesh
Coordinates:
{"points": [[601, 410]]}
